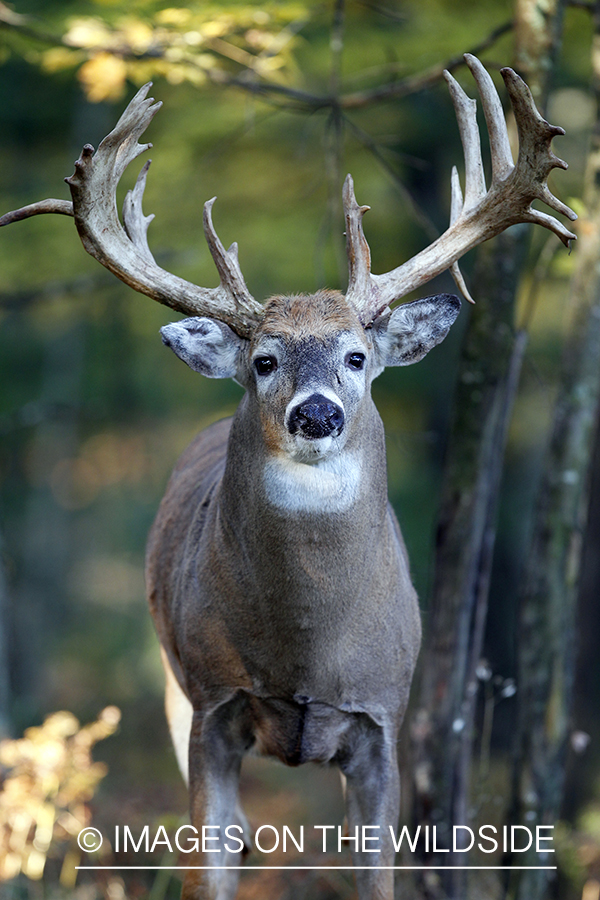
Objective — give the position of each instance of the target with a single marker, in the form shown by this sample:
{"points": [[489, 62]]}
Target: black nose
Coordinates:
{"points": [[316, 417]]}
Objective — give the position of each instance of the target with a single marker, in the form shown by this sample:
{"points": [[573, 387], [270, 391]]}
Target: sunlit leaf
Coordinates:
{"points": [[88, 32], [58, 58], [103, 77], [173, 16], [137, 34]]}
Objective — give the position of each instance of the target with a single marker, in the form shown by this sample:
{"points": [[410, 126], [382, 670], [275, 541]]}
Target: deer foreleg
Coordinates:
{"points": [[372, 805], [217, 745]]}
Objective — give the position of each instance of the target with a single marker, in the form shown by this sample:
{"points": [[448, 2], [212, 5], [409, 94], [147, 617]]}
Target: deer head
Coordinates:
{"points": [[310, 362]]}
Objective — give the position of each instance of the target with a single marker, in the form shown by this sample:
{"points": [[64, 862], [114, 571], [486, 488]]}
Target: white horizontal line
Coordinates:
{"points": [[315, 868]]}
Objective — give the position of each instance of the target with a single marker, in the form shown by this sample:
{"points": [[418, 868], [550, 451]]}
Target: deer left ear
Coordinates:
{"points": [[206, 345], [409, 333]]}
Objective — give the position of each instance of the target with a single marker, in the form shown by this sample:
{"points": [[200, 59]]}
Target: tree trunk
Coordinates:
{"points": [[549, 600], [5, 640], [488, 379], [443, 724]]}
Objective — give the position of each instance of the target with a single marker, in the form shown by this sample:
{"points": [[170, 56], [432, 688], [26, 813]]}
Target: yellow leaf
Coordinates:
{"points": [[141, 71], [176, 74], [173, 16], [137, 34], [50, 778], [34, 865], [10, 866], [195, 76], [58, 725], [103, 77], [193, 38], [216, 28], [88, 32], [58, 58], [68, 872], [174, 54]]}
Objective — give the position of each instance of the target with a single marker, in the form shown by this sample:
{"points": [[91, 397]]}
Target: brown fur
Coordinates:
{"points": [[319, 315], [291, 630]]}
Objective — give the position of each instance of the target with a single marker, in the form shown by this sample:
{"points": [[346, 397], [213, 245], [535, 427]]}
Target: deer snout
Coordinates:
{"points": [[316, 417]]}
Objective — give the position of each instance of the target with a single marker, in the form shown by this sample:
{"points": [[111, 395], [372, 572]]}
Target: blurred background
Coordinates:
{"points": [[94, 411]]}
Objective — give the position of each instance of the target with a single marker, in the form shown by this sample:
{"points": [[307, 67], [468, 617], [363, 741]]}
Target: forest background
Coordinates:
{"points": [[268, 106]]}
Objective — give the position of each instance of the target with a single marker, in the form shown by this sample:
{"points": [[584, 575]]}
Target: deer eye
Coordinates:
{"points": [[356, 361], [264, 365]]}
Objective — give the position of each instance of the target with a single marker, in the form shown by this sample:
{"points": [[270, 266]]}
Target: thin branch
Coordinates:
{"points": [[404, 87], [267, 89], [334, 139], [420, 217], [416, 83], [336, 44], [383, 11], [9, 19], [540, 273], [334, 135]]}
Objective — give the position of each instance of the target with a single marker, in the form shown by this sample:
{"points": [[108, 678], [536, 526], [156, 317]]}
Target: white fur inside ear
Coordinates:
{"points": [[412, 329], [206, 345]]}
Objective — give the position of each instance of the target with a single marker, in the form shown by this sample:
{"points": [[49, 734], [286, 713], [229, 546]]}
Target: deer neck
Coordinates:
{"points": [[272, 502]]}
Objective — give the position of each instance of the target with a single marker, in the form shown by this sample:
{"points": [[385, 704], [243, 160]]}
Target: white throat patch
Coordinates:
{"points": [[331, 485]]}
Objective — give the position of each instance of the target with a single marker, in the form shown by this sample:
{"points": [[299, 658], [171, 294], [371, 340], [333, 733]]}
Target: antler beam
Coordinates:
{"points": [[481, 214], [123, 249]]}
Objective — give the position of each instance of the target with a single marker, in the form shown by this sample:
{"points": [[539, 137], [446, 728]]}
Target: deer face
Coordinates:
{"points": [[309, 364], [309, 368]]}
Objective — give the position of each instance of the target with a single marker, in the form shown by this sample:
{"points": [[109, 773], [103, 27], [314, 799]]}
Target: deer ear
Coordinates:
{"points": [[409, 333], [206, 345]]}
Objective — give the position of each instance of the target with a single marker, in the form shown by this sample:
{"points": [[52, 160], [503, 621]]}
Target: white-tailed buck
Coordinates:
{"points": [[277, 575]]}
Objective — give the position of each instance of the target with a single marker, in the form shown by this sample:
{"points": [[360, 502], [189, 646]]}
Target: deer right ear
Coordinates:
{"points": [[206, 345], [412, 329]]}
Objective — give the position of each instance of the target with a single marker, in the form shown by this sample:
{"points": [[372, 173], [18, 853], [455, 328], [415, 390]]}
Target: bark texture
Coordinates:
{"points": [[443, 725], [549, 602]]}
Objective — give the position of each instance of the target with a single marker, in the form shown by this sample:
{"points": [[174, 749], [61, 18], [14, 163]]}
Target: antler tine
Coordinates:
{"points": [[466, 114], [362, 287], [456, 200], [502, 161], [62, 207], [456, 205], [124, 250], [536, 159], [500, 152], [480, 215], [135, 222], [359, 254], [227, 263]]}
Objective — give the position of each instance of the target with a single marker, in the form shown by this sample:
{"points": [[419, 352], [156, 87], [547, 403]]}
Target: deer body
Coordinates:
{"points": [[277, 575], [292, 596], [272, 596], [302, 620]]}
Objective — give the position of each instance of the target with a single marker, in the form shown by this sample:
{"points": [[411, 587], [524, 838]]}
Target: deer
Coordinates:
{"points": [[277, 574]]}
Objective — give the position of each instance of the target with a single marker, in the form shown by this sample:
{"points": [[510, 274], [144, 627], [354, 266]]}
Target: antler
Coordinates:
{"points": [[124, 250], [481, 214]]}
